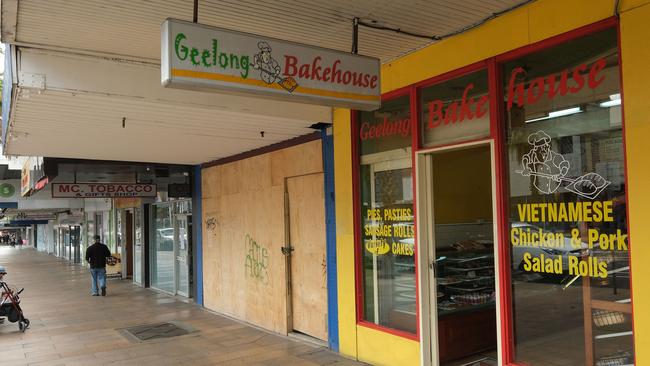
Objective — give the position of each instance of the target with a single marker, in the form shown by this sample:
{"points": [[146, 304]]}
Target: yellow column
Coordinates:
{"points": [[635, 55], [344, 232]]}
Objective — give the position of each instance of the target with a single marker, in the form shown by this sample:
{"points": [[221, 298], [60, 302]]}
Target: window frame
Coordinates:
{"points": [[506, 314], [497, 135], [358, 247]]}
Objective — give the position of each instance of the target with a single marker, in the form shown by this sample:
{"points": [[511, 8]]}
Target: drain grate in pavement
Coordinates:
{"points": [[149, 332]]}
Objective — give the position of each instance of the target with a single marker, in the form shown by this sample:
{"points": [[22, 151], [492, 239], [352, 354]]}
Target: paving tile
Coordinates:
{"points": [[70, 327]]}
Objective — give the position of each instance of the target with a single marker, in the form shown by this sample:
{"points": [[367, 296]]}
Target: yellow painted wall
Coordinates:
{"points": [[379, 348], [535, 22], [462, 186], [344, 232], [636, 78]]}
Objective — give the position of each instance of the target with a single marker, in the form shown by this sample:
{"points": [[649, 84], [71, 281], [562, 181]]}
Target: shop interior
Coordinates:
{"points": [[464, 255]]}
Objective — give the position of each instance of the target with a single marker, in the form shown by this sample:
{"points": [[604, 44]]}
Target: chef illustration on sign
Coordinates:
{"points": [[270, 68], [549, 170], [547, 166]]}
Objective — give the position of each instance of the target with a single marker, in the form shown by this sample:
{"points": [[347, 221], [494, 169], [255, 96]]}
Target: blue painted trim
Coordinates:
{"points": [[8, 204], [197, 221], [330, 230], [7, 85], [26, 222]]}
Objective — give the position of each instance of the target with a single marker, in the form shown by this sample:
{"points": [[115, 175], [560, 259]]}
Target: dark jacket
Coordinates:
{"points": [[96, 255]]}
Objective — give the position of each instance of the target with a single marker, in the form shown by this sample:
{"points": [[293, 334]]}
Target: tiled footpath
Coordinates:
{"points": [[70, 327]]}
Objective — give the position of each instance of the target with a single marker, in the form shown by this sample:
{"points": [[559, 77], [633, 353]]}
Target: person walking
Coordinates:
{"points": [[3, 272], [96, 255]]}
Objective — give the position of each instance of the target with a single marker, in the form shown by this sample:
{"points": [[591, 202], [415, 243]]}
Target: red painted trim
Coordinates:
{"points": [[415, 138], [358, 257], [557, 40], [493, 91], [399, 333], [627, 195], [358, 247], [498, 120], [396, 93]]}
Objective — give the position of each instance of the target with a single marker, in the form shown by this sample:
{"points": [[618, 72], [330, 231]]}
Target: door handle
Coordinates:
{"points": [[434, 267], [287, 250]]}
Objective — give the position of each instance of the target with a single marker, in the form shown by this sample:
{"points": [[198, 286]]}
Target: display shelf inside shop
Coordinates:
{"points": [[448, 308], [465, 281], [621, 358], [609, 320]]}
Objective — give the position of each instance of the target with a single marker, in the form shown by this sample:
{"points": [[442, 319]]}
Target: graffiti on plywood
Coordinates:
{"points": [[211, 225], [257, 261], [324, 266]]}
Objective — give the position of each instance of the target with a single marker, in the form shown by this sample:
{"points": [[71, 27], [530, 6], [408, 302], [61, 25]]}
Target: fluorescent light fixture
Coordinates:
{"points": [[555, 114], [564, 112], [614, 100]]}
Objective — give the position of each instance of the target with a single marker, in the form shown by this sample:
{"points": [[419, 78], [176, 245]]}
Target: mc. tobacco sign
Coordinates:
{"points": [[102, 190], [199, 57]]}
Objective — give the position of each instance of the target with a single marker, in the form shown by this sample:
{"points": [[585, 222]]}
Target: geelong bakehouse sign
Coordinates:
{"points": [[199, 57], [102, 190]]}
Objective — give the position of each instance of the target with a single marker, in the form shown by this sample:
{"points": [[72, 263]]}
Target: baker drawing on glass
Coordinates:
{"points": [[270, 68], [545, 165], [549, 169]]}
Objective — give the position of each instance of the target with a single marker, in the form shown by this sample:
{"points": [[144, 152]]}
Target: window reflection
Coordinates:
{"points": [[568, 224]]}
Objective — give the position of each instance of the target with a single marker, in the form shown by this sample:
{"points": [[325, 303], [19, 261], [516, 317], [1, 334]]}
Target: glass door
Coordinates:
{"points": [[61, 243], [66, 241], [75, 243], [162, 255], [182, 258], [55, 235], [460, 238], [138, 242]]}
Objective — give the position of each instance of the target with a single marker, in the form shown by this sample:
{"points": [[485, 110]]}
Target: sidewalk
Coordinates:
{"points": [[70, 327]]}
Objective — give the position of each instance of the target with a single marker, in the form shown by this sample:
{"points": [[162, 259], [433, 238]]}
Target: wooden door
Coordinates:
{"points": [[308, 264]]}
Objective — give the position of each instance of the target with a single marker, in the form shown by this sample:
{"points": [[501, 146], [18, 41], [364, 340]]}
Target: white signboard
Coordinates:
{"points": [[102, 190], [199, 57]]}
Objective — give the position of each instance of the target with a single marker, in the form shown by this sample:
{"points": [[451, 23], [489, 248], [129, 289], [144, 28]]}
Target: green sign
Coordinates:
{"points": [[7, 190]]}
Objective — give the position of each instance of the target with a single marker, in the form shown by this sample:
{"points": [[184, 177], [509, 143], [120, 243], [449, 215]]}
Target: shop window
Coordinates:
{"points": [[162, 255], [568, 226], [455, 110], [387, 260]]}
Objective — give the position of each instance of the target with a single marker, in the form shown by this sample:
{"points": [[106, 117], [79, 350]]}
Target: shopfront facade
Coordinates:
{"points": [[494, 196]]}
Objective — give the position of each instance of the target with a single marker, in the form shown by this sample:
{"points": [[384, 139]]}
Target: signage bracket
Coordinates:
{"points": [[355, 36]]}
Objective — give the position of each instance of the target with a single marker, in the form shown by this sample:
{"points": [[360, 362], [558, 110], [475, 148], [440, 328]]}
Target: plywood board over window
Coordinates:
{"points": [[245, 272]]}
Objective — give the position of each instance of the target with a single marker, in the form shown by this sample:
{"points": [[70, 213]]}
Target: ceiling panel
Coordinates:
{"points": [[132, 27], [81, 111], [63, 124]]}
